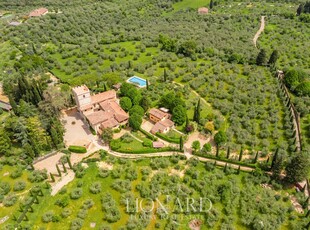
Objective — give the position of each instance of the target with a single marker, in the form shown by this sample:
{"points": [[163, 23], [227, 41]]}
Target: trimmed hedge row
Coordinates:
{"points": [[150, 136], [77, 149], [208, 156], [151, 150], [169, 139]]}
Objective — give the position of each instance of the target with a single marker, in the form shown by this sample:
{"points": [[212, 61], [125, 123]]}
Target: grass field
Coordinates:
{"points": [[195, 4]]}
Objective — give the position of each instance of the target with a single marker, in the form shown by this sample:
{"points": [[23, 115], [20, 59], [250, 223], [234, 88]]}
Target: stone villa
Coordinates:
{"points": [[162, 121], [100, 110]]}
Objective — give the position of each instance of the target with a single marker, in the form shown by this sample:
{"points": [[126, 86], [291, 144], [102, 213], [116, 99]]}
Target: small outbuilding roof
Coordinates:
{"points": [[38, 12], [14, 23], [158, 144], [203, 10], [157, 113]]}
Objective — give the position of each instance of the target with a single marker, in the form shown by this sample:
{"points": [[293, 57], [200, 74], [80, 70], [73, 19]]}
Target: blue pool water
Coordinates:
{"points": [[137, 81]]}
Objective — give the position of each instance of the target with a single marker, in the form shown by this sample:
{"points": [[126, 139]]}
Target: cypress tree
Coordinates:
{"points": [[105, 88], [273, 57], [211, 4], [238, 171], [274, 159], [21, 208], [58, 170], [306, 203], [197, 112], [69, 162], [241, 154], [217, 150], [64, 167], [228, 153], [298, 168], [300, 9], [261, 57], [165, 75], [277, 167], [225, 168], [181, 143], [54, 136], [147, 84], [52, 177], [13, 104]]}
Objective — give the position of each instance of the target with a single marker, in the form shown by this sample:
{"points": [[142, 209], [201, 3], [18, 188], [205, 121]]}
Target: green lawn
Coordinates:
{"points": [[184, 4]]}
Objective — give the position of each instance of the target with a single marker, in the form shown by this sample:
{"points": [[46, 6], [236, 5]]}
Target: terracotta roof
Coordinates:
{"points": [[80, 89], [162, 125], [38, 12], [157, 113], [111, 123], [85, 107], [97, 117], [117, 86], [112, 107], [100, 97], [167, 123], [158, 144], [203, 10]]}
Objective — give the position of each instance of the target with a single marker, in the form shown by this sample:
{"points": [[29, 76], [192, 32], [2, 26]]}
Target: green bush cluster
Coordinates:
{"points": [[77, 149]]}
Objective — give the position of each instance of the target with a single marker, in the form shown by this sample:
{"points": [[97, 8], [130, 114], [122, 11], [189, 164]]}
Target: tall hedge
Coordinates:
{"points": [[77, 149]]}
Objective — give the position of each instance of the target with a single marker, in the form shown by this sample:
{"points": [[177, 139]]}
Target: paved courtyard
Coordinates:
{"points": [[77, 131]]}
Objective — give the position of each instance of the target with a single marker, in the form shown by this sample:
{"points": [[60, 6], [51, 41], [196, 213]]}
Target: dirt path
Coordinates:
{"points": [[62, 182], [261, 29]]}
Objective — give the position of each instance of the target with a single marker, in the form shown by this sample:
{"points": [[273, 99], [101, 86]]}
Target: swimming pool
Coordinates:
{"points": [[137, 81]]}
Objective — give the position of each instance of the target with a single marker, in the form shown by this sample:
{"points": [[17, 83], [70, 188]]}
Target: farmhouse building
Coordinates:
{"points": [[156, 115], [162, 121], [100, 110], [203, 10], [38, 12]]}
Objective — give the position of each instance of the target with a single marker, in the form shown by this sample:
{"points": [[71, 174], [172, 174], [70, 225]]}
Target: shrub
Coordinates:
{"points": [[103, 173], [76, 224], [38, 176], [95, 188], [77, 149], [88, 204], [147, 143], [82, 214], [9, 200], [63, 202], [16, 173], [19, 186], [4, 188], [66, 212], [79, 170], [48, 217], [115, 144], [76, 193], [105, 227]]}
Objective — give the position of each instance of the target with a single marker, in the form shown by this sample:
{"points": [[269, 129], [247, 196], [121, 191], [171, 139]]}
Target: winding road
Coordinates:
{"points": [[261, 29]]}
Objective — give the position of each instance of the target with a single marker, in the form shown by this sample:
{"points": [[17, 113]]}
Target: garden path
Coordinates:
{"points": [[261, 29]]}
